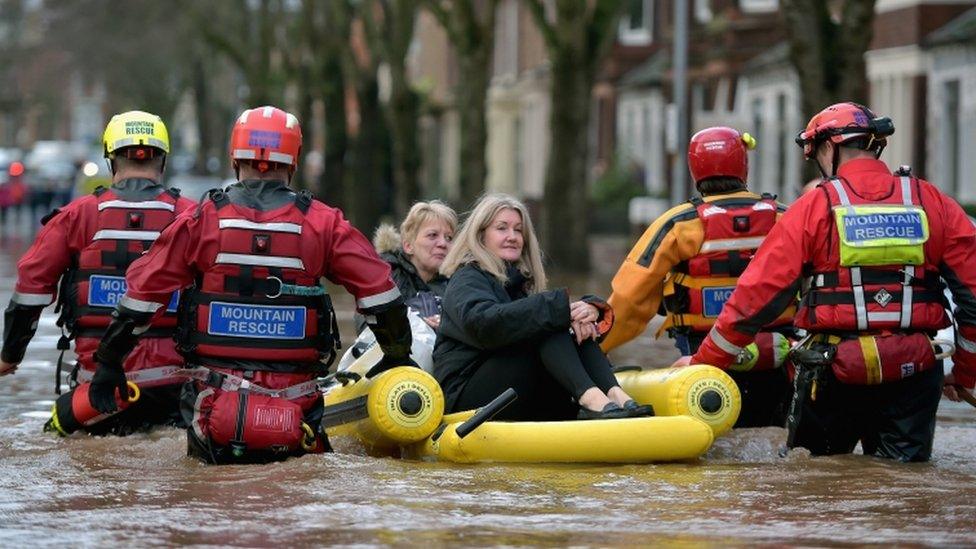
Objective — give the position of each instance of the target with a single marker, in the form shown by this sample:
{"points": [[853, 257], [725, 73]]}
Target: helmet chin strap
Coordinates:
{"points": [[834, 163]]}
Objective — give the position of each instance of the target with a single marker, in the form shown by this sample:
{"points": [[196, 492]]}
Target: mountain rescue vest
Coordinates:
{"points": [[257, 301], [879, 278], [95, 283], [697, 289]]}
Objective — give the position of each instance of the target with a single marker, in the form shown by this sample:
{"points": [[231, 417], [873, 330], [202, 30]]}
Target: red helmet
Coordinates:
{"points": [[266, 135], [719, 152], [16, 169], [842, 122]]}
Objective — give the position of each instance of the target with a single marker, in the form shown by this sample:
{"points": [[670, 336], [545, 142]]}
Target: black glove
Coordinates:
{"points": [[390, 362], [392, 331], [107, 381]]}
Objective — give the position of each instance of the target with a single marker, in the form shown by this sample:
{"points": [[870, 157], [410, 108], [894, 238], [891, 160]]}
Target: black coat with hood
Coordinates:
{"points": [[407, 278], [480, 316]]}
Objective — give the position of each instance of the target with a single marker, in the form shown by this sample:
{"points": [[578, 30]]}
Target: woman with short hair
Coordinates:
{"points": [[416, 253], [501, 327]]}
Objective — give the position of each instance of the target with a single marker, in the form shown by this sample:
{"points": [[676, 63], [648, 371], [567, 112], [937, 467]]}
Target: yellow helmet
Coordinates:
{"points": [[135, 129]]}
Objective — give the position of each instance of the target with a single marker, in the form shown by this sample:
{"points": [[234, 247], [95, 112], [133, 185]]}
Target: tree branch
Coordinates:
{"points": [[445, 18], [538, 12], [605, 18], [804, 26], [854, 37]]}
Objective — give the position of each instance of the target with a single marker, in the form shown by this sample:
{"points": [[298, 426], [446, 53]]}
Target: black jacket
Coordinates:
{"points": [[479, 316], [407, 278], [410, 284]]}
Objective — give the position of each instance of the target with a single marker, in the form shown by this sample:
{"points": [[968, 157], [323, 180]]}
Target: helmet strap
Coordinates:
{"points": [[111, 165], [835, 162]]}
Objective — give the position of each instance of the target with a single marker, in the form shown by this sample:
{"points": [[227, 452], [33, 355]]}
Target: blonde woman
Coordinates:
{"points": [[500, 327], [416, 253]]}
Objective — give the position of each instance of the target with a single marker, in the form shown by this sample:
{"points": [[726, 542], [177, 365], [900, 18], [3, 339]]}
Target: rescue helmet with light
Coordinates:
{"points": [[265, 136], [843, 122], [16, 169], [719, 152], [135, 134]]}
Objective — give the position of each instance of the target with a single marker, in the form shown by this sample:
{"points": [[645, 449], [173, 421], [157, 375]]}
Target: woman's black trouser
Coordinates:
{"points": [[548, 375], [893, 420]]}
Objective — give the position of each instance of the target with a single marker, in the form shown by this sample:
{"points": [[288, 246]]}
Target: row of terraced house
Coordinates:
{"points": [[921, 67]]}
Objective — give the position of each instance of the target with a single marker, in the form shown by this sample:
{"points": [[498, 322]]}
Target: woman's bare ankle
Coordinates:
{"points": [[618, 396], [593, 399]]}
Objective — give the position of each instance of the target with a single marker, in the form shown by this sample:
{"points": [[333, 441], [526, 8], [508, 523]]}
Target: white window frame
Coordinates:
{"points": [[506, 51], [703, 11], [642, 35], [759, 6]]}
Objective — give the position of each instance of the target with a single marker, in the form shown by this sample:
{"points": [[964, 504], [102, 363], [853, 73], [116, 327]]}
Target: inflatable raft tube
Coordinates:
{"points": [[700, 391], [633, 440], [399, 406]]}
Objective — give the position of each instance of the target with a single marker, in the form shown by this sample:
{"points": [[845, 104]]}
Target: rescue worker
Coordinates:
{"points": [[688, 260], [88, 245], [871, 247], [257, 326]]}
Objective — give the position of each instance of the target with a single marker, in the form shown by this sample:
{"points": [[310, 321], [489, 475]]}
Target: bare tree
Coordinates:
{"points": [[389, 26], [367, 162], [246, 33], [470, 26], [827, 44], [577, 38]]}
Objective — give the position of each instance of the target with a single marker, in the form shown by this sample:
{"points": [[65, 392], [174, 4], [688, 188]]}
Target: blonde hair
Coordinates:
{"points": [[387, 239], [469, 246], [421, 213]]}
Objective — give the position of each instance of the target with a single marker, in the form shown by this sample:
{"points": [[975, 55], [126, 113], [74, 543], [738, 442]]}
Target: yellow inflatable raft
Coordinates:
{"points": [[635, 440], [401, 411], [700, 391], [396, 407]]}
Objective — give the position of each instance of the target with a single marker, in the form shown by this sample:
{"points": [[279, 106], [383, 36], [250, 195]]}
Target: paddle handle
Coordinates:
{"points": [[487, 412]]}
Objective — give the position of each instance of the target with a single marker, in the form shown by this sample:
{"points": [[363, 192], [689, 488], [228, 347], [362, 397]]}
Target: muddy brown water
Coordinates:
{"points": [[143, 490]]}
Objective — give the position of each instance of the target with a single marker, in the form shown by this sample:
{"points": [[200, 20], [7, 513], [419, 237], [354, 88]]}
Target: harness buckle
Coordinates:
{"points": [[280, 285], [214, 378], [908, 278]]}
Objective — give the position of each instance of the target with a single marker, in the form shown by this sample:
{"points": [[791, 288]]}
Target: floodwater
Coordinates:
{"points": [[143, 490]]}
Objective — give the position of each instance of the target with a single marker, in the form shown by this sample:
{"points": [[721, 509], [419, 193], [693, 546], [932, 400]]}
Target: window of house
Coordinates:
{"points": [[757, 127], [636, 22], [519, 155], [950, 121], [506, 40], [758, 6], [782, 139]]}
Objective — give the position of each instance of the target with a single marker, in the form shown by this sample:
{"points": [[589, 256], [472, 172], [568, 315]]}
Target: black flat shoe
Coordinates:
{"points": [[610, 411], [638, 410]]}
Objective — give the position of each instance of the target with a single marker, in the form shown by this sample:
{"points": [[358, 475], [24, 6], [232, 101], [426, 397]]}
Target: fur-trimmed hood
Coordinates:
{"points": [[386, 239]]}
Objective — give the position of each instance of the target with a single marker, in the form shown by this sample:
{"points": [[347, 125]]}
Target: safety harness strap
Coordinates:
{"points": [[165, 375], [843, 298], [906, 277]]}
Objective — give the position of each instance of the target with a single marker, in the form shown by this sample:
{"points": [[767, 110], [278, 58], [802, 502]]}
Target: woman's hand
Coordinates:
{"points": [[434, 321], [954, 392], [584, 331], [581, 311]]}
